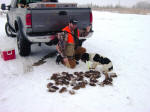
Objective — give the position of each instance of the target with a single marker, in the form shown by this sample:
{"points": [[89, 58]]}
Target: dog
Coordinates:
{"points": [[96, 60], [59, 59]]}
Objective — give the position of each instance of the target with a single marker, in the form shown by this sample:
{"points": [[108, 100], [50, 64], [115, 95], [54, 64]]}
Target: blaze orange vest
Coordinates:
{"points": [[70, 37]]}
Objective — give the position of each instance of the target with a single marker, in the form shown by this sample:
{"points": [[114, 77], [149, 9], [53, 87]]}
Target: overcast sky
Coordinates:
{"points": [[99, 2]]}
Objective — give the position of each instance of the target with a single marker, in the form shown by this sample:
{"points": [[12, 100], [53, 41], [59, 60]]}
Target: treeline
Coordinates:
{"points": [[142, 5], [139, 5]]}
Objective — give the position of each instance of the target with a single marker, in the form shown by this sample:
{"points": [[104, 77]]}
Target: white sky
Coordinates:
{"points": [[99, 2]]}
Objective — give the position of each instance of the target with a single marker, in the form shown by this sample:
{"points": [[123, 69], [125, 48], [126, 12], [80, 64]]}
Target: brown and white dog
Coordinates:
{"points": [[97, 59]]}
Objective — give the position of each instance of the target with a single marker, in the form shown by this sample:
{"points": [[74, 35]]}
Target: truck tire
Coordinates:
{"points": [[8, 30], [24, 47]]}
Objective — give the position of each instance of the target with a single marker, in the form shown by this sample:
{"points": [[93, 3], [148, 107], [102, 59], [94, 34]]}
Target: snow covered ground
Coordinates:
{"points": [[124, 38]]}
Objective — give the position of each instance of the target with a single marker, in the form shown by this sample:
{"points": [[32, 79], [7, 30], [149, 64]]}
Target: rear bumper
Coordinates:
{"points": [[89, 35], [48, 38], [41, 39]]}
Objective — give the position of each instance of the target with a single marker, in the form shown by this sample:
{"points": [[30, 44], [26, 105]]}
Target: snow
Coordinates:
{"points": [[124, 38]]}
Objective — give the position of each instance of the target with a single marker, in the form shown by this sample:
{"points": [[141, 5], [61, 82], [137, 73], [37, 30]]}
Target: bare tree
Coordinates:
{"points": [[142, 5]]}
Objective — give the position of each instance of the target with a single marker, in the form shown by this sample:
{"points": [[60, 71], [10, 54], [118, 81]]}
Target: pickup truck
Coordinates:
{"points": [[40, 21]]}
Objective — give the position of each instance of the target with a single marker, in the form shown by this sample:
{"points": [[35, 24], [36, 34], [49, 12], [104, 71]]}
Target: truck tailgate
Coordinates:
{"points": [[54, 19]]}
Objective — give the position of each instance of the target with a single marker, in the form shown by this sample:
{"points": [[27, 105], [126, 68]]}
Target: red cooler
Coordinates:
{"points": [[8, 54]]}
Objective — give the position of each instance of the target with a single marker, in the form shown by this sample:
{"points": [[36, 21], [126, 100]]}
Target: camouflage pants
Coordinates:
{"points": [[77, 55]]}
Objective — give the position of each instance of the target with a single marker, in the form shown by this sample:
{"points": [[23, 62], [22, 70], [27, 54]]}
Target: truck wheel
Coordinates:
{"points": [[24, 47], [8, 30]]}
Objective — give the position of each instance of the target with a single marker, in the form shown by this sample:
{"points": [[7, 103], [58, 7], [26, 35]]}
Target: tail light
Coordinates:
{"points": [[91, 18], [28, 20]]}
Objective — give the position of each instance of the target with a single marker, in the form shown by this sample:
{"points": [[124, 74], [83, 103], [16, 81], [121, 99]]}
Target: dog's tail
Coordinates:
{"points": [[108, 67], [111, 68]]}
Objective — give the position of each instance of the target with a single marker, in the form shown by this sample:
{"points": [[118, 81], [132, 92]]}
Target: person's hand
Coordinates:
{"points": [[65, 60], [88, 28]]}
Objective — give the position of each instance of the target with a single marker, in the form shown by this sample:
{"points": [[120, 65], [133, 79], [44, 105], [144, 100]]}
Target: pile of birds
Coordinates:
{"points": [[62, 81]]}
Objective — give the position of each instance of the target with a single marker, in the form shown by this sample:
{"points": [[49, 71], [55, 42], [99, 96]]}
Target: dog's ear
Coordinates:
{"points": [[85, 57], [96, 57]]}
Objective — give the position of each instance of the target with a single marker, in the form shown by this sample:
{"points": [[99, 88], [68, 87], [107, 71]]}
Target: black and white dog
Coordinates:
{"points": [[97, 59]]}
